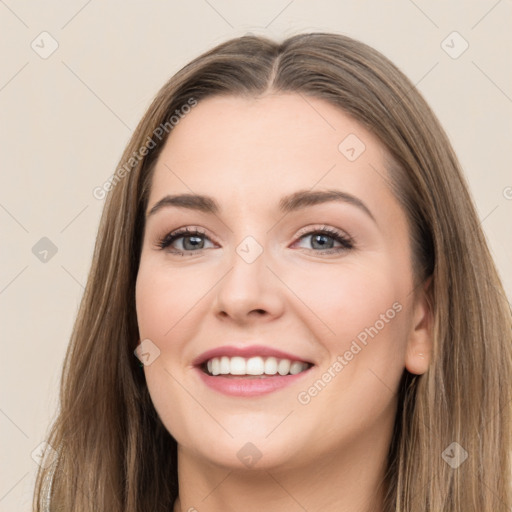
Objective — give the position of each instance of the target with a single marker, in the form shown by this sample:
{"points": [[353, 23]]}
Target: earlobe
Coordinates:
{"points": [[417, 362], [420, 342]]}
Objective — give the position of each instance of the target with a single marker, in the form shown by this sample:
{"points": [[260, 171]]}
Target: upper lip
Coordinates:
{"points": [[246, 352]]}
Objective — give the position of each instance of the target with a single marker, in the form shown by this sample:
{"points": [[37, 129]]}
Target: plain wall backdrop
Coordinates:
{"points": [[77, 76]]}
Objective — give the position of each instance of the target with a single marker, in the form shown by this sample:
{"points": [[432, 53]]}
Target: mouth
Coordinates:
{"points": [[250, 371]]}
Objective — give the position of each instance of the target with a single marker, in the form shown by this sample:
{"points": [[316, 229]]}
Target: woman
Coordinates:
{"points": [[290, 249]]}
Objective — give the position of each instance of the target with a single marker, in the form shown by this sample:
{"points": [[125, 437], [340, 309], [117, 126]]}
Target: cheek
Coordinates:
{"points": [[364, 319], [165, 302], [165, 296], [350, 299]]}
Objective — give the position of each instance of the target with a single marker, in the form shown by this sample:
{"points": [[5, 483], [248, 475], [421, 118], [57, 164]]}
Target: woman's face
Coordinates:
{"points": [[277, 329]]}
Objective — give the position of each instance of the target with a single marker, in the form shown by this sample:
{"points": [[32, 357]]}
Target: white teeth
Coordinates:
{"points": [[271, 366], [254, 366], [224, 365], [296, 367], [237, 366], [284, 367]]}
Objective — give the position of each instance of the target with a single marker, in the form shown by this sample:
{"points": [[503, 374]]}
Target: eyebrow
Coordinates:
{"points": [[293, 202]]}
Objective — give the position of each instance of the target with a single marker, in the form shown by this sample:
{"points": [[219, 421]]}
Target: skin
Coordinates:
{"points": [[327, 454]]}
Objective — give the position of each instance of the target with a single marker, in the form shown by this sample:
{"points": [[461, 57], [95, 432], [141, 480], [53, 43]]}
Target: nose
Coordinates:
{"points": [[249, 291]]}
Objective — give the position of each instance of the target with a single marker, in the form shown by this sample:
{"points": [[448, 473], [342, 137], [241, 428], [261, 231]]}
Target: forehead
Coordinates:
{"points": [[257, 148]]}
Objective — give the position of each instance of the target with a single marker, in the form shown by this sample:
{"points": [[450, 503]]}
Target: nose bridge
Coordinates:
{"points": [[249, 285], [248, 264]]}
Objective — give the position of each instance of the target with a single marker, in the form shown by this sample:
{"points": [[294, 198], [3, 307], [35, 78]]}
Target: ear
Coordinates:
{"points": [[420, 342]]}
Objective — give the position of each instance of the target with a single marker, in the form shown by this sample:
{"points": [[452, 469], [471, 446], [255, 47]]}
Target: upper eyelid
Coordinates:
{"points": [[323, 227], [302, 232]]}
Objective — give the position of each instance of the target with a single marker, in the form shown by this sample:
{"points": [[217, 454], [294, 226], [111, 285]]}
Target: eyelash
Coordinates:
{"points": [[346, 242]]}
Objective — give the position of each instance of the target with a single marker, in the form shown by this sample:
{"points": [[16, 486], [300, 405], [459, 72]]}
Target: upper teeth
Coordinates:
{"points": [[254, 366]]}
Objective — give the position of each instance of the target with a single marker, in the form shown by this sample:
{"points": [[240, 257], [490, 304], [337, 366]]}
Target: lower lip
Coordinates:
{"points": [[247, 386]]}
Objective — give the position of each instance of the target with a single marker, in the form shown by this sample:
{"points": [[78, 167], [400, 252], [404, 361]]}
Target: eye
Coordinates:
{"points": [[323, 240], [190, 240]]}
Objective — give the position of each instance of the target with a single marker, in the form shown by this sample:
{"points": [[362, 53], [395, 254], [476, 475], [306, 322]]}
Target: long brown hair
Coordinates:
{"points": [[115, 455]]}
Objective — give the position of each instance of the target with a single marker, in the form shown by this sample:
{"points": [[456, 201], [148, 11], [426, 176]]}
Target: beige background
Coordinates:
{"points": [[65, 119]]}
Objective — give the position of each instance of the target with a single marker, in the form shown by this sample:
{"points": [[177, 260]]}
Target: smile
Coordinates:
{"points": [[249, 371]]}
